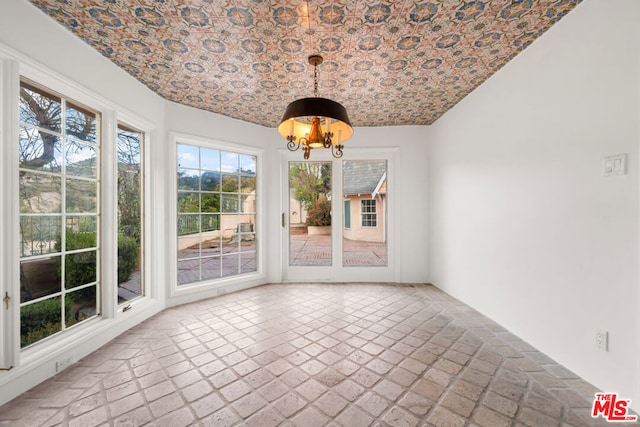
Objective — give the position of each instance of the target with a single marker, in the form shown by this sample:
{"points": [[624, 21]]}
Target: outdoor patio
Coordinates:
{"points": [[315, 250], [305, 250]]}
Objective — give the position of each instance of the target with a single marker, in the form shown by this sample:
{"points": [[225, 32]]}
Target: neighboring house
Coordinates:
{"points": [[365, 198]]}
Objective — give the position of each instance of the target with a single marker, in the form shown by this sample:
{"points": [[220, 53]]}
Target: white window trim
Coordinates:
{"points": [[365, 213], [209, 288], [9, 206], [149, 248]]}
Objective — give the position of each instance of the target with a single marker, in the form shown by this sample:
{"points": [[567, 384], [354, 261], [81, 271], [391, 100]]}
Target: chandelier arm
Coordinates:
{"points": [[326, 139], [292, 145], [336, 151]]}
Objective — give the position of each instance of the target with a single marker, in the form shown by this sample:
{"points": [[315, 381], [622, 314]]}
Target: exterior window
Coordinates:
{"points": [[130, 205], [216, 206], [369, 213], [59, 151]]}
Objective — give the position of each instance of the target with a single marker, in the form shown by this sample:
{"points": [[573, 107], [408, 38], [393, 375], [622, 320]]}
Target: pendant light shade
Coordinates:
{"points": [[298, 111], [315, 122]]}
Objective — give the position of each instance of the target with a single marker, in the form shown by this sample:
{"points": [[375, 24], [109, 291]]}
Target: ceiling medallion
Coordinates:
{"points": [[313, 122]]}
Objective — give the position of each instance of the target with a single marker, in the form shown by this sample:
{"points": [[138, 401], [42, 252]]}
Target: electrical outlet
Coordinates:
{"points": [[64, 363], [602, 339]]}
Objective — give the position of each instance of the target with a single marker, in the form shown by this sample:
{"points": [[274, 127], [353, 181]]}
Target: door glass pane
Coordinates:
{"points": [[365, 201], [310, 213]]}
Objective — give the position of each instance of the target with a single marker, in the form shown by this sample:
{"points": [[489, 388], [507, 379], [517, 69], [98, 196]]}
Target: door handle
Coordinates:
{"points": [[283, 225]]}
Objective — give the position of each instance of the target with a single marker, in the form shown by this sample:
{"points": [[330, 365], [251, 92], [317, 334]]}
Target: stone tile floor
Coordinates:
{"points": [[313, 355]]}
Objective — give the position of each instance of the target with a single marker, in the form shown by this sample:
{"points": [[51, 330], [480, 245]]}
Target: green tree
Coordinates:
{"points": [[310, 181], [129, 184]]}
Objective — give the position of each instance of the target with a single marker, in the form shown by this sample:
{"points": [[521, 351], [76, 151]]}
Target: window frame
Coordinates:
{"points": [[364, 210], [65, 179], [10, 352], [123, 124], [179, 293]]}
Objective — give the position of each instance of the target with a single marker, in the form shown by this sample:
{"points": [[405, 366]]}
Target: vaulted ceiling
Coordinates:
{"points": [[389, 63]]}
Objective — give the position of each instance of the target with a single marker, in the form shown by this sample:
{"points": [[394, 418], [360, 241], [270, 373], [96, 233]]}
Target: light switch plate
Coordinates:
{"points": [[615, 165]]}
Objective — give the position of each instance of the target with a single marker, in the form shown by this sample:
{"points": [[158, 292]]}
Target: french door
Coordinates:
{"points": [[338, 218]]}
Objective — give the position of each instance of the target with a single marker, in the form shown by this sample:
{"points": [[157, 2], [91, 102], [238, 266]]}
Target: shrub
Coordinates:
{"points": [[320, 213], [42, 319], [127, 257], [39, 320], [81, 267]]}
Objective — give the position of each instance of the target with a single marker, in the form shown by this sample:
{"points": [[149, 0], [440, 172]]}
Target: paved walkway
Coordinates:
{"points": [[130, 289], [312, 250], [305, 250]]}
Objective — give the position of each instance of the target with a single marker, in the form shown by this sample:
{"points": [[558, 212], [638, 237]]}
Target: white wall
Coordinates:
{"points": [[524, 226]]}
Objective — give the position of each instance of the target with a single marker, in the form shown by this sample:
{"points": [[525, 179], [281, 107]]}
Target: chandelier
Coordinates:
{"points": [[315, 122]]}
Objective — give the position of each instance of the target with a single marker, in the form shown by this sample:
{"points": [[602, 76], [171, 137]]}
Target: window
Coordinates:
{"points": [[216, 206], [368, 213], [59, 151], [130, 207]]}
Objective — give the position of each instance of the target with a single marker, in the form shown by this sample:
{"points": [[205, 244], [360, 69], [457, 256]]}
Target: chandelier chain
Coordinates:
{"points": [[315, 81]]}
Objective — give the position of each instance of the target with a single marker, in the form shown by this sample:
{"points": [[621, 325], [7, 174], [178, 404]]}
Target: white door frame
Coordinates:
{"points": [[337, 272]]}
